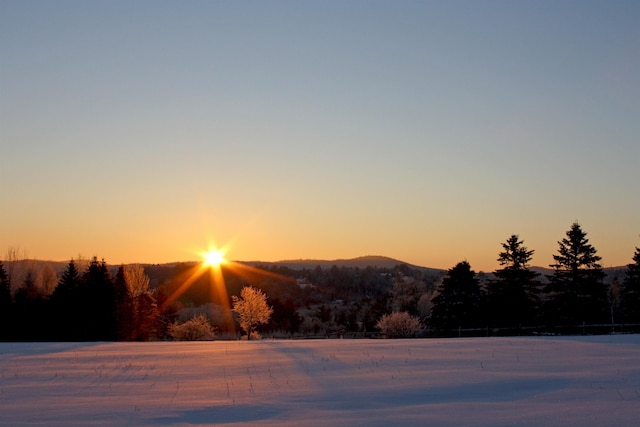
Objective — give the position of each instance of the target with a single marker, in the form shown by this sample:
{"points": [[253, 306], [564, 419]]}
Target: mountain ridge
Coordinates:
{"points": [[377, 261]]}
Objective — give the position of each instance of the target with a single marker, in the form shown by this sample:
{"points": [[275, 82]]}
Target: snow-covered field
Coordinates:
{"points": [[559, 381]]}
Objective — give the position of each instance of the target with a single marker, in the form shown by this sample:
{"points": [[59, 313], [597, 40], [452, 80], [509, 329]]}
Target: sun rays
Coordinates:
{"points": [[213, 262]]}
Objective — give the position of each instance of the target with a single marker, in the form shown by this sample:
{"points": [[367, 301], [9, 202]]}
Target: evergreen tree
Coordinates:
{"points": [[513, 297], [124, 309], [630, 293], [5, 304], [69, 282], [615, 289], [65, 301], [97, 320], [285, 316], [5, 287], [576, 292], [457, 304], [29, 313], [28, 291]]}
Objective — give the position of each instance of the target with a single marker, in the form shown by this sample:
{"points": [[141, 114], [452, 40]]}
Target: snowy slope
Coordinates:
{"points": [[581, 381]]}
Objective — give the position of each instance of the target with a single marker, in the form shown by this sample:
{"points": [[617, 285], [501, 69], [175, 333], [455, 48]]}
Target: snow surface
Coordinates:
{"points": [[550, 381]]}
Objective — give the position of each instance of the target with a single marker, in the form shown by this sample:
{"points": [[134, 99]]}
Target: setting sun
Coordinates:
{"points": [[214, 258]]}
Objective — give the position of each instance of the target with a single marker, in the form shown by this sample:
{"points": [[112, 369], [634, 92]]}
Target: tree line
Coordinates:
{"points": [[84, 306], [574, 296], [139, 303]]}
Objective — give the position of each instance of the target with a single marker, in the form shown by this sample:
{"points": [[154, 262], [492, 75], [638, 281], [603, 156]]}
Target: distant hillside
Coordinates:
{"points": [[359, 262]]}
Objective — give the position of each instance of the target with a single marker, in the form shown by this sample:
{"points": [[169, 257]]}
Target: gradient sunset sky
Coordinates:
{"points": [[428, 131]]}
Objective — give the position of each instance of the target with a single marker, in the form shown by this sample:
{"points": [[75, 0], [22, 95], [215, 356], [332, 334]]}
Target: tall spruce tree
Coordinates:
{"points": [[576, 292], [29, 312], [514, 295], [5, 304], [98, 305], [65, 302], [69, 282], [457, 304], [5, 286], [630, 292], [124, 309]]}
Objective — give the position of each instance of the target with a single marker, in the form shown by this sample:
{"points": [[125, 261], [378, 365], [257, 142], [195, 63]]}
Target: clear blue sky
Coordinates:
{"points": [[428, 131]]}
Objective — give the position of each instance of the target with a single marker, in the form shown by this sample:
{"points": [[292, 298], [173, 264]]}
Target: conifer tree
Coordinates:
{"points": [[28, 291], [630, 293], [5, 304], [29, 309], [69, 282], [576, 293], [124, 310], [98, 305], [457, 304], [513, 297], [5, 286], [65, 302]]}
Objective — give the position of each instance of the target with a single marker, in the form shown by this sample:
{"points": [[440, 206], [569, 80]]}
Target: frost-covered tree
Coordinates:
{"points": [[143, 304], [137, 280], [197, 328], [399, 324], [630, 292], [137, 309], [576, 292], [513, 296], [251, 308]]}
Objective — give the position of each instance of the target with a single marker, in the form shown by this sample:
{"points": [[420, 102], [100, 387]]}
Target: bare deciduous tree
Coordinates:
{"points": [[14, 254], [406, 293], [48, 279]]}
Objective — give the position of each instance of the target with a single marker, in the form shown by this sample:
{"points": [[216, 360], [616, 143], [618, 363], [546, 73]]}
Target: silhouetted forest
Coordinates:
{"points": [[92, 301]]}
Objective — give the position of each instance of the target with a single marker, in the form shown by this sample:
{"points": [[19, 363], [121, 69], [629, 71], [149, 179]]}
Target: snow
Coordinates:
{"points": [[534, 381]]}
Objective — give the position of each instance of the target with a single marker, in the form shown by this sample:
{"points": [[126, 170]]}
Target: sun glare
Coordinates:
{"points": [[214, 258]]}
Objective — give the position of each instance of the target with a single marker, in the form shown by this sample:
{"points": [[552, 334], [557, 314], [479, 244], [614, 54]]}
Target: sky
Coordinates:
{"points": [[426, 131]]}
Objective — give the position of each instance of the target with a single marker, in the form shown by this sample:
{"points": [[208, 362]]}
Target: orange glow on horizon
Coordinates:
{"points": [[214, 262]]}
